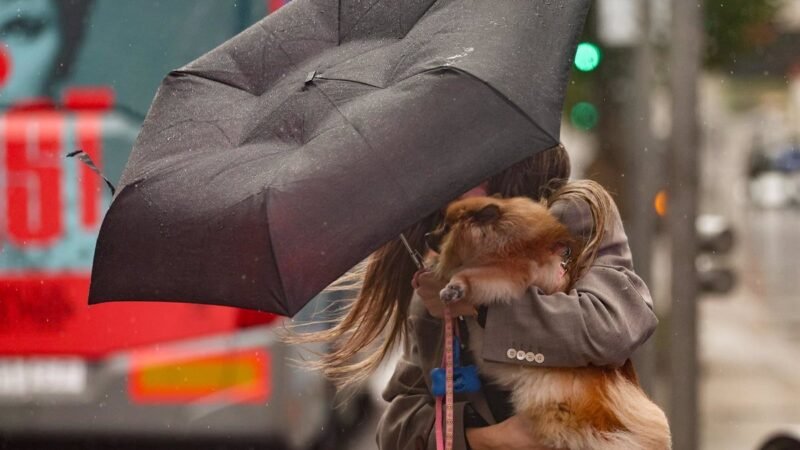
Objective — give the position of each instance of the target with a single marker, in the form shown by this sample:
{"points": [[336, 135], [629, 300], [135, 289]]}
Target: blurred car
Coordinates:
{"points": [[125, 372], [785, 439], [774, 177]]}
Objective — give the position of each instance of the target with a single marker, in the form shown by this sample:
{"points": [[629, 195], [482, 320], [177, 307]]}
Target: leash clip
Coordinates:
{"points": [[415, 255]]}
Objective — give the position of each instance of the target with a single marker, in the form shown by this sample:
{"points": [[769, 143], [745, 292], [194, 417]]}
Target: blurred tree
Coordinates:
{"points": [[737, 27]]}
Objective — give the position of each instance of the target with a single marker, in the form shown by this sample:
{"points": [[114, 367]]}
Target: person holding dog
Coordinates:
{"points": [[600, 322]]}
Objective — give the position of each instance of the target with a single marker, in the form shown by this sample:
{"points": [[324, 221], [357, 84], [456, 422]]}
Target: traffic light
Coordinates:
{"points": [[584, 115], [587, 57]]}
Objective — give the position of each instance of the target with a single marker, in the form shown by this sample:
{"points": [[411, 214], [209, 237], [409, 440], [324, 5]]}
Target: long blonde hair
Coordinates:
{"points": [[376, 320], [600, 206]]}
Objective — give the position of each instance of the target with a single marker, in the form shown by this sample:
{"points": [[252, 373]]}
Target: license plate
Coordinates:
{"points": [[25, 377]]}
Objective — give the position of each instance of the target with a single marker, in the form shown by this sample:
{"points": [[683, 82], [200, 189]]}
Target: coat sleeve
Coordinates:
{"points": [[601, 321], [408, 421]]}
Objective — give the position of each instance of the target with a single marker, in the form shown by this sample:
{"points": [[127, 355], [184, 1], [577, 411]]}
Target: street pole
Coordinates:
{"points": [[640, 186], [626, 141], [685, 59]]}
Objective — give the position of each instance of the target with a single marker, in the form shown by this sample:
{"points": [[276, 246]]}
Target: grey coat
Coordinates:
{"points": [[607, 315]]}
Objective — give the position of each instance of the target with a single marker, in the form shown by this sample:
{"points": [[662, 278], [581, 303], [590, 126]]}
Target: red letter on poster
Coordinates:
{"points": [[33, 163]]}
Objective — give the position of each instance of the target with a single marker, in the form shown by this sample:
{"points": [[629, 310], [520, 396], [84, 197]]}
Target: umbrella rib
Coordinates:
{"points": [[180, 73], [420, 19], [406, 55], [352, 27], [280, 47], [274, 256], [399, 18], [497, 91], [348, 81], [213, 123], [272, 35], [361, 135]]}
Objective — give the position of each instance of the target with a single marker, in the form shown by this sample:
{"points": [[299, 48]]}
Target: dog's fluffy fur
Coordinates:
{"points": [[492, 251]]}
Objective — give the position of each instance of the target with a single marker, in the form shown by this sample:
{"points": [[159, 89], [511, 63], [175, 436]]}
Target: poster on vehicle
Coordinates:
{"points": [[81, 75]]}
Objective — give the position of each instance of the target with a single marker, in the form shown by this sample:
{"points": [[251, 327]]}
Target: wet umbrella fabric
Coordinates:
{"points": [[271, 165]]}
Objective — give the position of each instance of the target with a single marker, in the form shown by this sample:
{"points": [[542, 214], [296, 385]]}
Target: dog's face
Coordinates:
{"points": [[470, 213], [478, 227]]}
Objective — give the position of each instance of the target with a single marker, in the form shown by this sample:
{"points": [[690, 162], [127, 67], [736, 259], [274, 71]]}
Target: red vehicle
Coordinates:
{"points": [[80, 75]]}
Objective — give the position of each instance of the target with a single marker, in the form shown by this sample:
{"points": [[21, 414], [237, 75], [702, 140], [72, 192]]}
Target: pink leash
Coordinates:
{"points": [[444, 441]]}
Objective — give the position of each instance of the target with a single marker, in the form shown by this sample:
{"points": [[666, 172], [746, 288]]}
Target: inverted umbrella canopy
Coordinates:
{"points": [[274, 163]]}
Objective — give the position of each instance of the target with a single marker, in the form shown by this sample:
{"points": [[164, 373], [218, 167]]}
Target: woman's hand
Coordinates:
{"points": [[427, 287], [511, 434]]}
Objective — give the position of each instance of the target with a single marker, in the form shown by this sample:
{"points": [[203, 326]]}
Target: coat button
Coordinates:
{"points": [[539, 358], [530, 356], [520, 355], [511, 353]]}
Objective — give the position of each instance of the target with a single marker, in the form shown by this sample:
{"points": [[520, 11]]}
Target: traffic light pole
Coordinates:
{"points": [[626, 142], [640, 186], [685, 59]]}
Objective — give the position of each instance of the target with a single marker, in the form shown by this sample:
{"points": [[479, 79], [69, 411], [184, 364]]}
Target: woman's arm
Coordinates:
{"points": [[408, 421], [601, 321], [512, 434]]}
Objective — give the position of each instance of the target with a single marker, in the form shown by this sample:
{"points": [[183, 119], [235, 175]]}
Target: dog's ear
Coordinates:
{"points": [[487, 214]]}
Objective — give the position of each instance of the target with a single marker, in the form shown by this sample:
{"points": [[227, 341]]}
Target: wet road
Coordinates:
{"points": [[770, 266], [750, 343], [749, 339]]}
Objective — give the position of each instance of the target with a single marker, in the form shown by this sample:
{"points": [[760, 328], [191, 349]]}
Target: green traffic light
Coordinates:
{"points": [[587, 57], [584, 115]]}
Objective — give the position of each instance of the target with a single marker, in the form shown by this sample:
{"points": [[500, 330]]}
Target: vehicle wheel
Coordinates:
{"points": [[782, 443]]}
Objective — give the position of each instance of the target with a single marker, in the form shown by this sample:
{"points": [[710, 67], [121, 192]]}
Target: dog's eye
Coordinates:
{"points": [[488, 214]]}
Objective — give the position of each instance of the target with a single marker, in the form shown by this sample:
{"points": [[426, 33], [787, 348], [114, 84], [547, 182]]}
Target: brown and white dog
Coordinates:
{"points": [[492, 251]]}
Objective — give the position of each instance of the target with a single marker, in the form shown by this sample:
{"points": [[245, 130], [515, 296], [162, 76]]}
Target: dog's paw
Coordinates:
{"points": [[453, 292]]}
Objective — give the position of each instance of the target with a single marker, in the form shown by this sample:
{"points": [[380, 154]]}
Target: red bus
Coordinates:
{"points": [[80, 75]]}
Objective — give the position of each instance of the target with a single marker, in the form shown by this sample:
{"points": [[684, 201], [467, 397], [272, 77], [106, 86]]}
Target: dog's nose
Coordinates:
{"points": [[432, 241]]}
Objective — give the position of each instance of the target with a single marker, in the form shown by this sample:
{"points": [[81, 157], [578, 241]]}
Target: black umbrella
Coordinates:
{"points": [[274, 163]]}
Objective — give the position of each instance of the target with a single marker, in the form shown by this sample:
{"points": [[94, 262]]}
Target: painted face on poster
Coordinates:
{"points": [[29, 46]]}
